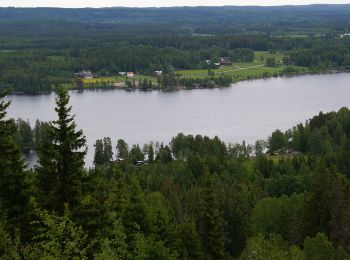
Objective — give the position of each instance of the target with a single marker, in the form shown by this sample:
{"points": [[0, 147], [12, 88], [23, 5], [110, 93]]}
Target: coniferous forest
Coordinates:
{"points": [[195, 198], [286, 197], [42, 48]]}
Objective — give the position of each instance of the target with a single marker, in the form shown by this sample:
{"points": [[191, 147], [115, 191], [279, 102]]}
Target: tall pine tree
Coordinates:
{"points": [[61, 159], [12, 174]]}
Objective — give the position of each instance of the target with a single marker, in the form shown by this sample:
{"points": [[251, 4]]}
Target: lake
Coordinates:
{"points": [[248, 110]]}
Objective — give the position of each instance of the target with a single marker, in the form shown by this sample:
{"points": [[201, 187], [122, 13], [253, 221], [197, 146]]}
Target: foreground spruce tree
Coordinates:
{"points": [[212, 221], [61, 159], [12, 185]]}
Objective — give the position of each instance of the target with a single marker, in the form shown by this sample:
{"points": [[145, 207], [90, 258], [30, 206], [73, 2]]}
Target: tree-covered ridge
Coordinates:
{"points": [[45, 65], [41, 48], [196, 198], [310, 19]]}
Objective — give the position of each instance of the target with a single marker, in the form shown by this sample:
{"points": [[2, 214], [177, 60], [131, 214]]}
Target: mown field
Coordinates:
{"points": [[253, 69]]}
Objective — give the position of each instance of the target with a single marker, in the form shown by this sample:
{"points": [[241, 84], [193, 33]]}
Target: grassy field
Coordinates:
{"points": [[103, 80], [107, 82], [116, 79], [253, 69]]}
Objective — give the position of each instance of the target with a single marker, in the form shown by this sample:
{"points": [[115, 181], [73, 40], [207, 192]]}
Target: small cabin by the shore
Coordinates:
{"points": [[130, 75], [85, 74], [286, 151]]}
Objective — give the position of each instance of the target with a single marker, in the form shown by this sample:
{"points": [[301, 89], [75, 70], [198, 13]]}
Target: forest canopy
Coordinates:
{"points": [[194, 198]]}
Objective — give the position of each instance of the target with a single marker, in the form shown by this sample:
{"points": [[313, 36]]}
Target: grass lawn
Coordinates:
{"points": [[244, 70], [103, 80], [261, 56], [116, 79]]}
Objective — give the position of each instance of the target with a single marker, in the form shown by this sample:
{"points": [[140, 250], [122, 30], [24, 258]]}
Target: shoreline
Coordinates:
{"points": [[180, 88]]}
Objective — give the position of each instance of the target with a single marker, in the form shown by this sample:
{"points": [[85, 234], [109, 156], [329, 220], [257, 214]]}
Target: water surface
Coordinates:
{"points": [[248, 110]]}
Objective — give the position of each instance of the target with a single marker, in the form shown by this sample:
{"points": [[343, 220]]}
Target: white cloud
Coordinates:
{"points": [[157, 3]]}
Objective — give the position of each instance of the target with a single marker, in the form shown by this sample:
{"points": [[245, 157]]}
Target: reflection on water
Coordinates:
{"points": [[248, 111]]}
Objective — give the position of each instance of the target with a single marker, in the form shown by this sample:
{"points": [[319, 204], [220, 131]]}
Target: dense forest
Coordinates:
{"points": [[205, 20], [42, 48], [286, 197], [194, 198]]}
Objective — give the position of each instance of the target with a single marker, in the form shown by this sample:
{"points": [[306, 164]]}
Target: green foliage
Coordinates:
{"points": [[41, 133], [36, 60], [12, 175], [101, 199], [283, 216], [9, 247], [135, 154], [103, 152], [196, 198], [58, 237], [122, 149], [271, 62], [189, 243], [114, 247], [164, 154], [148, 249], [135, 215], [318, 203], [261, 248], [273, 247], [277, 141], [61, 159], [212, 222], [318, 247], [267, 217], [24, 135]]}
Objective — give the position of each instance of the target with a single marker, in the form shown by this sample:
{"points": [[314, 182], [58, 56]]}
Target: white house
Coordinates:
{"points": [[158, 73]]}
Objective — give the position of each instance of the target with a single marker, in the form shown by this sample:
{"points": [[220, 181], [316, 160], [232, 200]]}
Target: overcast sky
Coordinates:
{"points": [[157, 3]]}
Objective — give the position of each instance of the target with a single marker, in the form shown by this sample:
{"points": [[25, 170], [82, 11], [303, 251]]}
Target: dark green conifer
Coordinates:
{"points": [[212, 222], [12, 174], [61, 159]]}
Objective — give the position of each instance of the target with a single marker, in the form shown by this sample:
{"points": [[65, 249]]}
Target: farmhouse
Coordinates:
{"points": [[286, 151], [85, 74], [344, 35], [130, 75], [225, 61]]}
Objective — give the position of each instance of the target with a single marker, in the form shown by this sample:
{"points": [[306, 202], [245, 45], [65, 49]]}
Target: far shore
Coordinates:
{"points": [[179, 87]]}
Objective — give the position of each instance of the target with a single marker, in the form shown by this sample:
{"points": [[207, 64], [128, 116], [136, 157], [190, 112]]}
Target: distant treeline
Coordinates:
{"points": [[185, 20], [40, 69], [42, 48], [28, 138]]}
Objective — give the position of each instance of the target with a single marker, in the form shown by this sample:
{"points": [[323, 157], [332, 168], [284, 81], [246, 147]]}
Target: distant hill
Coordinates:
{"points": [[218, 20]]}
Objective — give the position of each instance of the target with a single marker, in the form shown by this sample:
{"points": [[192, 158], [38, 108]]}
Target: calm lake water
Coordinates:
{"points": [[247, 111]]}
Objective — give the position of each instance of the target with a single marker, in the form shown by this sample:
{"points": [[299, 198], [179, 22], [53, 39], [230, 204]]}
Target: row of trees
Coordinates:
{"points": [[29, 138], [39, 66]]}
